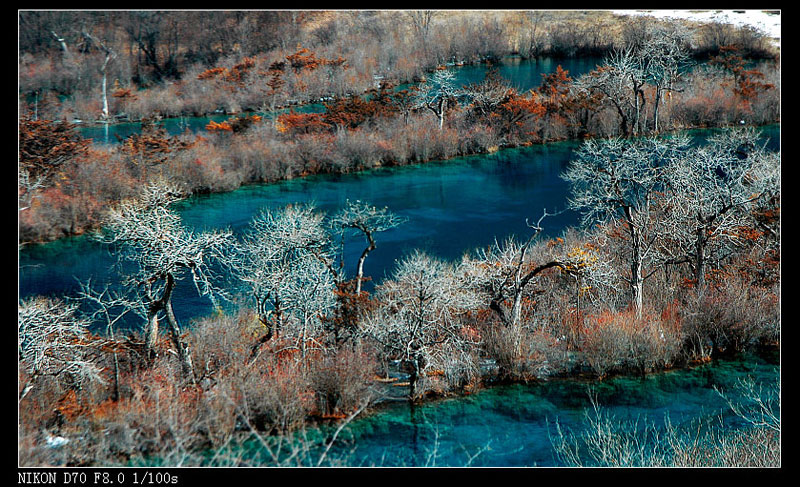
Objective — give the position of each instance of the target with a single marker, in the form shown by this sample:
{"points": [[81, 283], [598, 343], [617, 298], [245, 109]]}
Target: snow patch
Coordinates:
{"points": [[769, 23], [56, 441]]}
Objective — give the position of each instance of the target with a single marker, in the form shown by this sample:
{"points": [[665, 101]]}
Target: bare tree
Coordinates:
{"points": [[616, 181], [612, 88], [53, 341], [29, 186], [418, 319], [421, 22], [110, 55], [653, 54], [152, 236], [665, 54], [363, 218], [508, 274], [487, 95], [504, 270], [286, 260], [436, 93], [711, 190], [109, 307], [534, 20], [627, 65]]}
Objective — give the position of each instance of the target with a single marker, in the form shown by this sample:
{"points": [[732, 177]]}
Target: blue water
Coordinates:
{"points": [[451, 207], [113, 133], [526, 74]]}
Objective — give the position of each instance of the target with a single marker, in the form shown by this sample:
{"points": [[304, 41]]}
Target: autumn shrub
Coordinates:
{"points": [[56, 213], [259, 156], [342, 380], [271, 392], [622, 341], [37, 409], [479, 139], [157, 417], [526, 353], [714, 95], [460, 372], [359, 150], [222, 341], [734, 316], [206, 168], [713, 36]]}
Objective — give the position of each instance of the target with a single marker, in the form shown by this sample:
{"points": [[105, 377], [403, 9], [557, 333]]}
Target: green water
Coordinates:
{"points": [[512, 425], [451, 206]]}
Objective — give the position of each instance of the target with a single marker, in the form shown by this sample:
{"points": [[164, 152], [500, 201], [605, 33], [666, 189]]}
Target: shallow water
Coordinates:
{"points": [[511, 426]]}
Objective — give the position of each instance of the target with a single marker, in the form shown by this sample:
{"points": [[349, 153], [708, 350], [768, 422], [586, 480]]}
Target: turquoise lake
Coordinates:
{"points": [[516, 425], [512, 425]]}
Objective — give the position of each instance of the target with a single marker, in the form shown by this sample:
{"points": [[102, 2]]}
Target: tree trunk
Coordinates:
{"points": [[165, 303], [151, 332], [360, 272], [699, 266], [183, 350], [636, 270], [413, 377], [656, 104], [441, 107], [105, 92]]}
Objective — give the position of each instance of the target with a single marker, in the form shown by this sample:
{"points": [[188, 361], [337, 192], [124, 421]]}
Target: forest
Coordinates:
{"points": [[675, 262]]}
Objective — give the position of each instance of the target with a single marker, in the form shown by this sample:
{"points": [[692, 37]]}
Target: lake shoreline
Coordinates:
{"points": [[390, 406], [391, 165]]}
